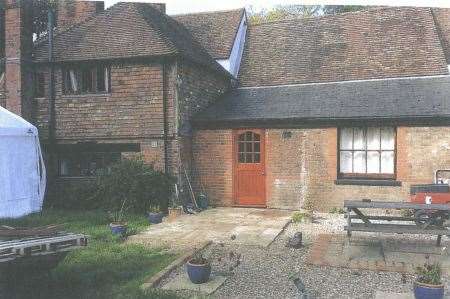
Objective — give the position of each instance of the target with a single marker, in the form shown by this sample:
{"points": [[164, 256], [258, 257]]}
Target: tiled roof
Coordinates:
{"points": [[400, 98], [214, 30], [374, 43], [126, 30]]}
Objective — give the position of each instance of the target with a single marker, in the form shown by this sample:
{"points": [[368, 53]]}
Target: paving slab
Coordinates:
{"points": [[182, 283], [383, 253], [247, 226]]}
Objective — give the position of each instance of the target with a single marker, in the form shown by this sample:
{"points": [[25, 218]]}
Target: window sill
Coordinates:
{"points": [[368, 182], [86, 95]]}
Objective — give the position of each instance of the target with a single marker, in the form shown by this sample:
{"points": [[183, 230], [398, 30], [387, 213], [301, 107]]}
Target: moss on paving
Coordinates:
{"points": [[106, 268]]}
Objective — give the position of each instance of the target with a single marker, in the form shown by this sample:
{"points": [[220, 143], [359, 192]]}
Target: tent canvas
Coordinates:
{"points": [[22, 170]]}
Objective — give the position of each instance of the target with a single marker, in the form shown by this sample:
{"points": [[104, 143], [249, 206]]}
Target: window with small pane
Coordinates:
{"points": [[249, 148], [367, 152]]}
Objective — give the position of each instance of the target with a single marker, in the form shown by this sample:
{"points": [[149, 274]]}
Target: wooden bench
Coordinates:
{"points": [[353, 212]]}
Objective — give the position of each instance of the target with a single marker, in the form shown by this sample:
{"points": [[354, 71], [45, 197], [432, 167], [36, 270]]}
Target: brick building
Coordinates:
{"points": [[285, 114]]}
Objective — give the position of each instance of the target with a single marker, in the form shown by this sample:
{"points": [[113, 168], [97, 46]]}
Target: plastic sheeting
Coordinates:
{"points": [[22, 169]]}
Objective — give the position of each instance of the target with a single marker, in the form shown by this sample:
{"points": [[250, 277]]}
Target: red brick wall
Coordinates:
{"points": [[212, 151], [301, 170]]}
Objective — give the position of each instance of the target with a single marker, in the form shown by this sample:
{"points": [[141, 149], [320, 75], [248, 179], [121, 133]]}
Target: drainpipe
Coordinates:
{"points": [[51, 88], [165, 118]]}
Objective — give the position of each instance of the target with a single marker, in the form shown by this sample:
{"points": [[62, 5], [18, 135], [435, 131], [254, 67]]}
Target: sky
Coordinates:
{"points": [[188, 6]]}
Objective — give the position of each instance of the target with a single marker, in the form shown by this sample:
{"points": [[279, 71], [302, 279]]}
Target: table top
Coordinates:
{"points": [[394, 205]]}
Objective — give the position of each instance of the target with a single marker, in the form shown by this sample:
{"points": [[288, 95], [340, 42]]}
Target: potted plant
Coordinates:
{"points": [[428, 284], [118, 225], [155, 216], [199, 267]]}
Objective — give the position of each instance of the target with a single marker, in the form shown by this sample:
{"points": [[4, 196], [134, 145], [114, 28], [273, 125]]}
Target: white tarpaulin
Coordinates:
{"points": [[22, 170]]}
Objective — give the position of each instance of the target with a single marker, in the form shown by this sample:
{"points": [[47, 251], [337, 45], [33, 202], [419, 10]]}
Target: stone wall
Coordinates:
{"points": [[302, 169]]}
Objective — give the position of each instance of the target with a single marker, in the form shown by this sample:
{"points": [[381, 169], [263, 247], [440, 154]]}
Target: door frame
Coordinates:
{"points": [[234, 151]]}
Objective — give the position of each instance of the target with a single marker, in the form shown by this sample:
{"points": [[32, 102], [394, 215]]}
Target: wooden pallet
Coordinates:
{"points": [[21, 232], [27, 247]]}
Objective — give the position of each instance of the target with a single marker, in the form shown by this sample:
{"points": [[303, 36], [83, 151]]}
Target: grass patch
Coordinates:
{"points": [[106, 268]]}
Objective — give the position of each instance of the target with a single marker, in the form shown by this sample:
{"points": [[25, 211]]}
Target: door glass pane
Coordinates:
{"points": [[248, 158], [256, 147], [346, 162], [241, 158], [387, 162], [346, 142], [241, 147], [359, 139], [359, 162], [373, 138], [248, 147], [387, 139], [373, 162], [256, 158], [248, 136]]}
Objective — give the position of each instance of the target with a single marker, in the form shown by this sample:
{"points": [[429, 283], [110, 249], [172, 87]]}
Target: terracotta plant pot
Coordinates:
{"points": [[175, 212], [118, 228], [198, 272], [428, 291]]}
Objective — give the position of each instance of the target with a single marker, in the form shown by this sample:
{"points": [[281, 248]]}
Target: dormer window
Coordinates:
{"points": [[87, 80]]}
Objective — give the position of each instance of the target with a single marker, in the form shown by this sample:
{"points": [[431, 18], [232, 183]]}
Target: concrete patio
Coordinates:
{"points": [[379, 253], [247, 226]]}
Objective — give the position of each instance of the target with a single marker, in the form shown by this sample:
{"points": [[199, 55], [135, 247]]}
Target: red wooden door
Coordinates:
{"points": [[249, 168]]}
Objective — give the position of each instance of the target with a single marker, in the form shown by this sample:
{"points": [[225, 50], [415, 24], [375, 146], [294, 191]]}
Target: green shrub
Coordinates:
{"points": [[73, 195], [336, 210], [298, 217], [429, 274], [135, 185]]}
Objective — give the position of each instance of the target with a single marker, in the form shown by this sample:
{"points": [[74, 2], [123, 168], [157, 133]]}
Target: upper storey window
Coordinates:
{"points": [[87, 80]]}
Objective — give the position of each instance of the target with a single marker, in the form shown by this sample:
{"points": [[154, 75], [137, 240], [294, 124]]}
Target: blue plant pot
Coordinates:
{"points": [[118, 228], [427, 291], [155, 218], [198, 273]]}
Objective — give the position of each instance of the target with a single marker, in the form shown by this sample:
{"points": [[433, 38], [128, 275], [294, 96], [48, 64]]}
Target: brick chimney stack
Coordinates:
{"points": [[71, 12], [18, 64]]}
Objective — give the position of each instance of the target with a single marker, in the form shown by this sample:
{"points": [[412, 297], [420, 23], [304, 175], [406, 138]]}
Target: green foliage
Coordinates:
{"points": [[336, 210], [298, 217], [73, 195], [283, 12], [106, 268], [133, 185], [407, 213], [429, 274]]}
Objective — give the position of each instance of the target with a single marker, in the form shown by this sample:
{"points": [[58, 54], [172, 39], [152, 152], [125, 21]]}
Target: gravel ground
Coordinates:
{"points": [[269, 272]]}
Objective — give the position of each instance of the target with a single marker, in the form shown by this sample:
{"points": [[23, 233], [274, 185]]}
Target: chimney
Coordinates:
{"points": [[71, 12], [159, 6], [18, 50]]}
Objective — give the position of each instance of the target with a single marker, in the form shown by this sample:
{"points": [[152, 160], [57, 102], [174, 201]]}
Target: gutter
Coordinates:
{"points": [[165, 118]]}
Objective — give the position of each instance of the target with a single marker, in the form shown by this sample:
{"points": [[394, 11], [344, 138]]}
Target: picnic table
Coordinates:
{"points": [[383, 223]]}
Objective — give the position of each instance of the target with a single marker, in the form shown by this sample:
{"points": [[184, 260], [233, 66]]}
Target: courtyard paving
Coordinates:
{"points": [[247, 226]]}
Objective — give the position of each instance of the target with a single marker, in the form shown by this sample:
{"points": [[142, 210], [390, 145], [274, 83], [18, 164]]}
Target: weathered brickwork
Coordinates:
{"points": [[301, 170], [212, 155]]}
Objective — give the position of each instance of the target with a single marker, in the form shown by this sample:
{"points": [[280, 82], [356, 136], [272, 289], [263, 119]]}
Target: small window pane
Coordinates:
{"points": [[257, 158], [373, 138], [359, 139], [373, 162], [346, 139], [359, 162], [241, 147], [101, 82], [387, 138], [387, 162], [249, 147], [256, 147], [346, 162], [241, 158], [248, 136], [248, 158]]}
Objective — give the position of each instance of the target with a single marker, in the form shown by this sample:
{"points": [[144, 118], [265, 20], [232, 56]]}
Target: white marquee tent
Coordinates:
{"points": [[22, 170]]}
